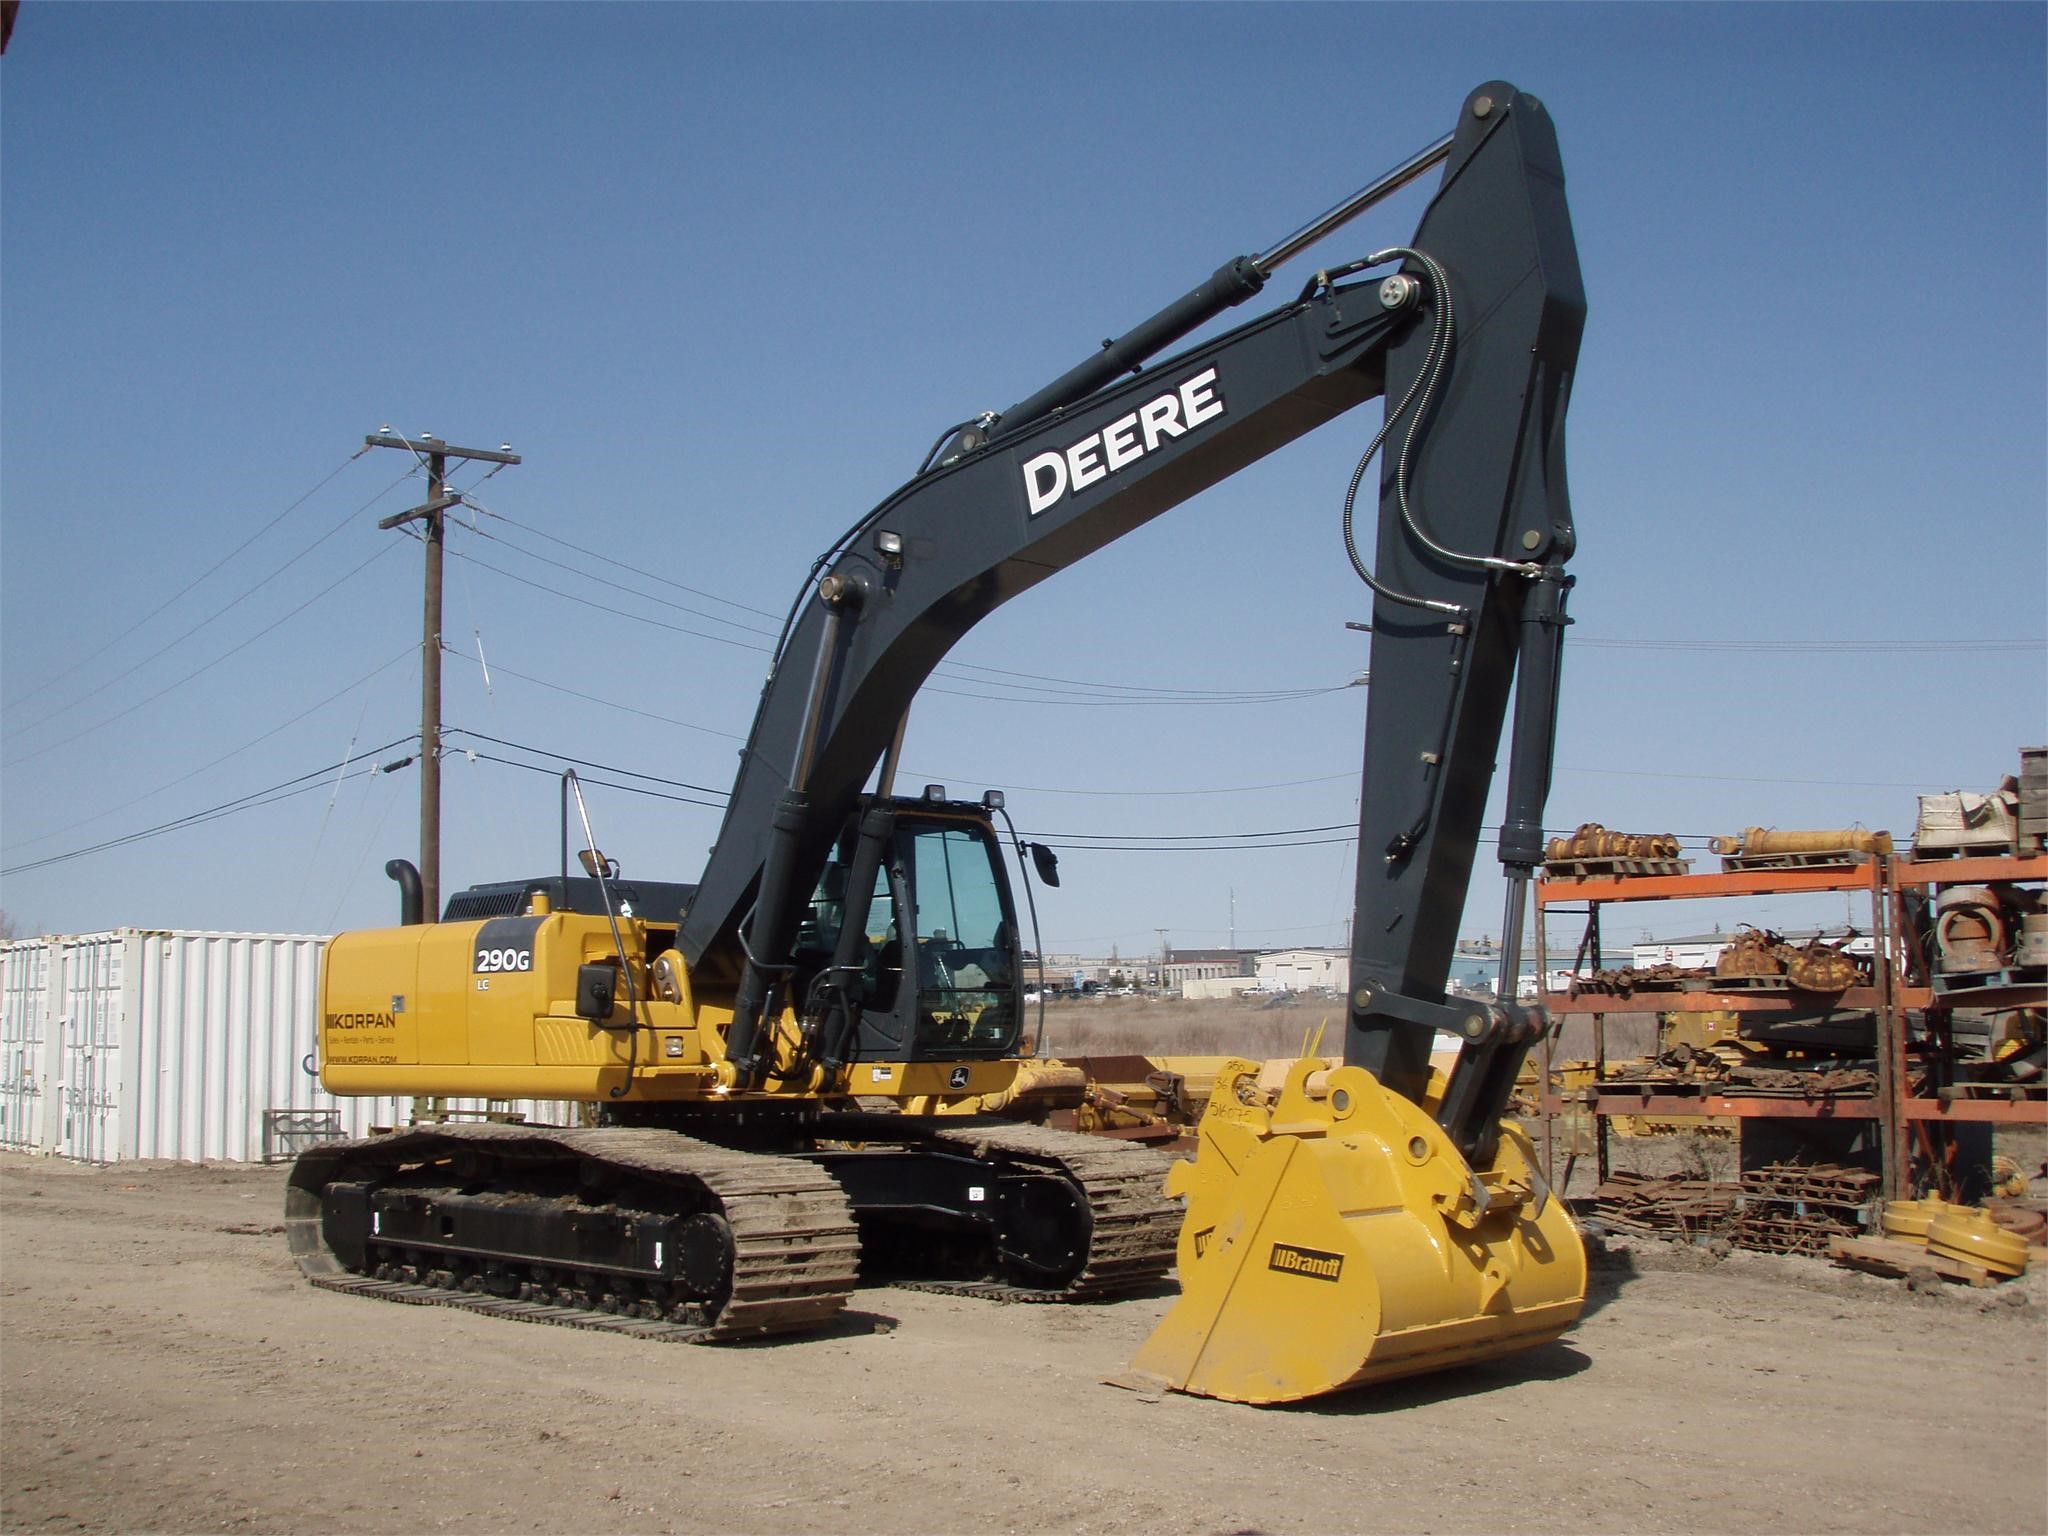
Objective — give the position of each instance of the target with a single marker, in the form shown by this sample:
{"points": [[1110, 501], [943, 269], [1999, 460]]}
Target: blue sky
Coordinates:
{"points": [[722, 273]]}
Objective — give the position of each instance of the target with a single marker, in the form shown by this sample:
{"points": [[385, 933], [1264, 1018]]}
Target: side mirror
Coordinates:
{"points": [[1046, 862], [596, 865]]}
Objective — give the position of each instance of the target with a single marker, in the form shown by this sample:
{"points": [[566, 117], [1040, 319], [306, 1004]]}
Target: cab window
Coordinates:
{"points": [[964, 940]]}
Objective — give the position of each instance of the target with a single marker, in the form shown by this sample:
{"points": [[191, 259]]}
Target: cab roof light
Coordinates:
{"points": [[992, 800], [935, 792]]}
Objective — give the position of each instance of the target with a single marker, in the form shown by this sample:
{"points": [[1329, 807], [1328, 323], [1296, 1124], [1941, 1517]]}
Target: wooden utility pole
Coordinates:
{"points": [[434, 454]]}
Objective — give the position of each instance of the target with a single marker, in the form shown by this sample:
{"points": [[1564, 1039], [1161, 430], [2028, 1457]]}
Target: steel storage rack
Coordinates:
{"points": [[1899, 988], [1928, 1120]]}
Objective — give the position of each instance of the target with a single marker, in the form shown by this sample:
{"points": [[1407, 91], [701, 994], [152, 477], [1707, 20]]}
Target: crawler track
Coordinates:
{"points": [[794, 1248], [794, 1243], [1131, 1246]]}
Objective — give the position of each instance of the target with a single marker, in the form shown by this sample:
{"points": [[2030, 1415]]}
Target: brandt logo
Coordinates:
{"points": [[1050, 477], [1313, 1262]]}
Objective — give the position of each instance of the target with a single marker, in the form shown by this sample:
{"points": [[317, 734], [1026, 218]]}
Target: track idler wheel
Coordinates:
{"points": [[1043, 1228], [704, 1254], [1339, 1238]]}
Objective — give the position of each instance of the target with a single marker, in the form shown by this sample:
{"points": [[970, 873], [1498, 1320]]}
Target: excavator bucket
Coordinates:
{"points": [[1335, 1236]]}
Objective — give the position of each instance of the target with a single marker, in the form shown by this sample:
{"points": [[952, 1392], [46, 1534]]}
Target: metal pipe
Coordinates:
{"points": [[604, 889], [411, 905], [1365, 197], [814, 708], [1511, 940], [1231, 284], [885, 782]]}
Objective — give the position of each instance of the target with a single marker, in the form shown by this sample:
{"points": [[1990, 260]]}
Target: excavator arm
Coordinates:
{"points": [[1473, 342]]}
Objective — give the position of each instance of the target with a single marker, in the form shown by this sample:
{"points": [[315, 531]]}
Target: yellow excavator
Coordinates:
{"points": [[795, 1061]]}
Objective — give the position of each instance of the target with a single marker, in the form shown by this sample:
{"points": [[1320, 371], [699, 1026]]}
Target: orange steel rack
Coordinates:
{"points": [[1889, 998]]}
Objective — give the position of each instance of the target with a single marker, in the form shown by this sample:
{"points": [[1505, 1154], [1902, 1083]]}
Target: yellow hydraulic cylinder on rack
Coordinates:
{"points": [[1336, 1237]]}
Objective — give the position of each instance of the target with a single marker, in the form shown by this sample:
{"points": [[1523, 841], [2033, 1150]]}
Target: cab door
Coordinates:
{"points": [[942, 953]]}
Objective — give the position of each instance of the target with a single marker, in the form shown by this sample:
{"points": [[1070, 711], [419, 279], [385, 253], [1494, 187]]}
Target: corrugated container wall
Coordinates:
{"points": [[141, 1043]]}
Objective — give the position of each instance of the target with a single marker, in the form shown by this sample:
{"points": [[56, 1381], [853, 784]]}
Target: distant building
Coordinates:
{"points": [[1303, 970], [1182, 966]]}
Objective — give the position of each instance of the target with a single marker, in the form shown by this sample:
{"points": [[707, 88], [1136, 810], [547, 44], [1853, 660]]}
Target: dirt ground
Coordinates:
{"points": [[165, 1369]]}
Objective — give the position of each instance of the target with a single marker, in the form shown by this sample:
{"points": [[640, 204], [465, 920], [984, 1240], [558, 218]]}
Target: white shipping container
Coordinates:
{"points": [[143, 1043], [24, 981]]}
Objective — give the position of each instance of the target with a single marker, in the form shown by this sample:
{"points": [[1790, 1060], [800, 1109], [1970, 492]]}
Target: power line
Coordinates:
{"points": [[218, 613], [1193, 695], [1086, 842], [617, 613], [584, 762], [1179, 837], [1050, 688], [1813, 647], [362, 857], [249, 802], [200, 671], [709, 597], [1151, 794], [1793, 647], [631, 789], [501, 670], [1736, 778], [1082, 845], [1182, 697], [113, 810], [1135, 701], [650, 597], [58, 677], [1347, 776]]}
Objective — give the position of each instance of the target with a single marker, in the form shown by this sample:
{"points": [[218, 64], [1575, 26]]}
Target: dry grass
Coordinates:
{"points": [[1261, 1028], [1140, 1026]]}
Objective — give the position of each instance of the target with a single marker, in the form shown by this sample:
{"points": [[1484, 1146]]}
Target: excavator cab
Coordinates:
{"points": [[910, 938]]}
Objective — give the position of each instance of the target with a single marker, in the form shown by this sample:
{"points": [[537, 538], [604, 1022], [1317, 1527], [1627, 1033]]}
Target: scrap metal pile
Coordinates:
{"points": [[1754, 959], [1674, 1206], [1730, 1069], [1800, 1208], [1803, 1207], [1815, 966]]}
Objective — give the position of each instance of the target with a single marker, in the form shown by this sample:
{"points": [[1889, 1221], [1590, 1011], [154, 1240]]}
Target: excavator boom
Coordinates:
{"points": [[1476, 336]]}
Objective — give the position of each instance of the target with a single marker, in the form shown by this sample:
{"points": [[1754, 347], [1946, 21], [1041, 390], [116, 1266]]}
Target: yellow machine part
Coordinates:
{"points": [[1968, 1233], [1336, 1237], [1906, 1221], [487, 1009], [1040, 1087]]}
